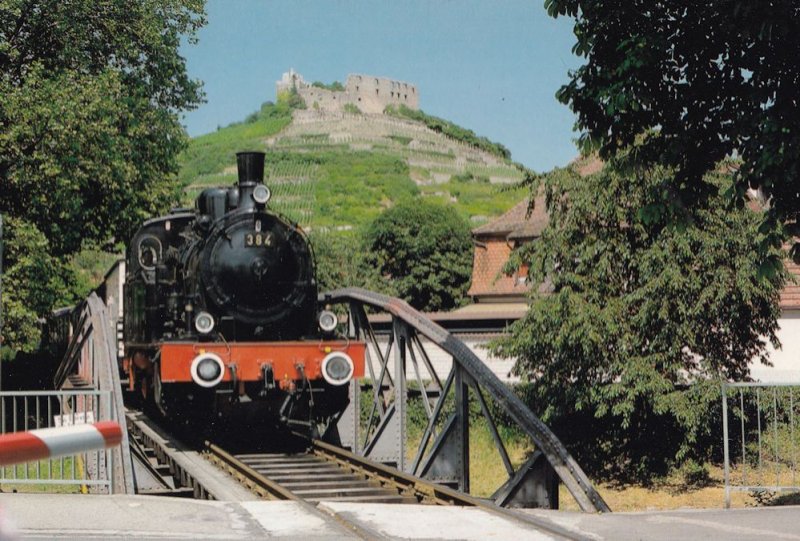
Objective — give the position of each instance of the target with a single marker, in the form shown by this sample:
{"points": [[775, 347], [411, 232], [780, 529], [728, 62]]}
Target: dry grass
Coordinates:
{"points": [[487, 473], [673, 493]]}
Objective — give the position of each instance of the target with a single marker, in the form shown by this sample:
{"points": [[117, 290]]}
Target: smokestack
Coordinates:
{"points": [[251, 167]]}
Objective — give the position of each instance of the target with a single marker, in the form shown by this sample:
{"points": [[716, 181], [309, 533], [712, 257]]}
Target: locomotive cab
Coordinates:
{"points": [[221, 302]]}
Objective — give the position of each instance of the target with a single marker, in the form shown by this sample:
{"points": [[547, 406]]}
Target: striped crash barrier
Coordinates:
{"points": [[20, 447]]}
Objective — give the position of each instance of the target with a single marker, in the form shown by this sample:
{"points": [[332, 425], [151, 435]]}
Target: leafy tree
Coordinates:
{"points": [[90, 93], [712, 79], [33, 283], [425, 249], [644, 316]]}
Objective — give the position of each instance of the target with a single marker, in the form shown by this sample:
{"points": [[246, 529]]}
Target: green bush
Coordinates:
{"points": [[335, 86]]}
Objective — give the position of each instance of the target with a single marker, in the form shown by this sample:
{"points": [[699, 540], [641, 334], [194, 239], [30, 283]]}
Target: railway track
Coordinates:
{"points": [[329, 473], [323, 473], [326, 473]]}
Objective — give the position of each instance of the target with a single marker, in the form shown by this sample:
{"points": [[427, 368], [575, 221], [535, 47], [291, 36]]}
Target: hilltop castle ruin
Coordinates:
{"points": [[369, 93]]}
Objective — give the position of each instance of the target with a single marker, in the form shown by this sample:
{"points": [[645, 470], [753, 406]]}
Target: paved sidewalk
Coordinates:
{"points": [[756, 524], [75, 516]]}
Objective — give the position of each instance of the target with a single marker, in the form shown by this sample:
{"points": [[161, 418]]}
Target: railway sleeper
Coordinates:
{"points": [[296, 471]]}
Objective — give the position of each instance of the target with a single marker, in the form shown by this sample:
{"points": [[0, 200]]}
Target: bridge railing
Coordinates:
{"points": [[90, 364], [761, 437], [399, 363], [32, 410]]}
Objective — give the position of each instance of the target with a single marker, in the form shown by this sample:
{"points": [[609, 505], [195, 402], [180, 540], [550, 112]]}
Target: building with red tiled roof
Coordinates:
{"points": [[494, 243]]}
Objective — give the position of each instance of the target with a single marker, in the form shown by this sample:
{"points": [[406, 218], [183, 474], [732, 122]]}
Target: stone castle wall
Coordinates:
{"points": [[369, 93]]}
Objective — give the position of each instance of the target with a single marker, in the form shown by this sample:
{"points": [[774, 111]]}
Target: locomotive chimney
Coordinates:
{"points": [[251, 167], [250, 191]]}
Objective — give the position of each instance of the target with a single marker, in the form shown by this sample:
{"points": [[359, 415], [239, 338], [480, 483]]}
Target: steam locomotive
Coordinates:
{"points": [[221, 308]]}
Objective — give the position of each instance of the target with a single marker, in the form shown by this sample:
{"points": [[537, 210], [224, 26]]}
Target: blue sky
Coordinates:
{"points": [[491, 66]]}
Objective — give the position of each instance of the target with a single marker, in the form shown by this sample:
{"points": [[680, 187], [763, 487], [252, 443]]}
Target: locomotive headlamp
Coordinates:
{"points": [[261, 194], [204, 322], [207, 369], [328, 321], [337, 368]]}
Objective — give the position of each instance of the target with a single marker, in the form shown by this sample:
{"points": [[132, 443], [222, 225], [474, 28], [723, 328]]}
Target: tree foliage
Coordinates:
{"points": [[713, 79], [34, 281], [644, 316], [425, 249], [90, 93]]}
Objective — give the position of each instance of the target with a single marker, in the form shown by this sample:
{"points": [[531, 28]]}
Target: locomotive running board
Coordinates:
{"points": [[445, 458]]}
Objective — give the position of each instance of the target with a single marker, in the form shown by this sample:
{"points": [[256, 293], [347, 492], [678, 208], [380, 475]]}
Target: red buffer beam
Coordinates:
{"points": [[53, 442]]}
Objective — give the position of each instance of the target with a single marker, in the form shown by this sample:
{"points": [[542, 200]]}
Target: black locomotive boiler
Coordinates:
{"points": [[220, 307]]}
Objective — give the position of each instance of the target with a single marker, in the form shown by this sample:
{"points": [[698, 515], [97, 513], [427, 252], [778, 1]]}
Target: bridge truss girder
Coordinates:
{"points": [[378, 429]]}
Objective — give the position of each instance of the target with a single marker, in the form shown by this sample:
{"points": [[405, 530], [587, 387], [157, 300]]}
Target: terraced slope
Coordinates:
{"points": [[339, 170]]}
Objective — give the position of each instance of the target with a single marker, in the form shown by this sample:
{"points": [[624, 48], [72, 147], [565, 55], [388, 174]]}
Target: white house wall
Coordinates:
{"points": [[785, 369], [786, 361], [442, 361]]}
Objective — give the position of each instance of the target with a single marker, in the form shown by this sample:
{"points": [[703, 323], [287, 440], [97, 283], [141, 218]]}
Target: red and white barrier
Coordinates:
{"points": [[20, 447]]}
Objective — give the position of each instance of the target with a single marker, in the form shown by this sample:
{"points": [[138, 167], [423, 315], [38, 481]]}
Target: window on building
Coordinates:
{"points": [[521, 275], [377, 91]]}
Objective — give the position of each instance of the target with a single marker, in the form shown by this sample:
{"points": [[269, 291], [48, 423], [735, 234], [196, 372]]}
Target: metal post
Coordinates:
{"points": [[775, 434], [400, 389], [725, 446], [462, 426], [744, 450]]}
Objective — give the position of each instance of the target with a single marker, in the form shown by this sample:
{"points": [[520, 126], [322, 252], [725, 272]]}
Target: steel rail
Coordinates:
{"points": [[255, 481], [265, 486], [421, 489], [429, 491]]}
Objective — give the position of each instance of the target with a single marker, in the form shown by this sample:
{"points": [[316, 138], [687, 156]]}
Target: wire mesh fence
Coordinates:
{"points": [[32, 410], [760, 437]]}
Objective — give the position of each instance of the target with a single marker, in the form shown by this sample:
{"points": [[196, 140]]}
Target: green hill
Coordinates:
{"points": [[339, 170]]}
